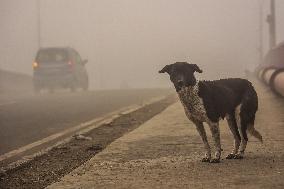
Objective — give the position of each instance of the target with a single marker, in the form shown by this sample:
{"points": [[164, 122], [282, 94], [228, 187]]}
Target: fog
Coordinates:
{"points": [[128, 41]]}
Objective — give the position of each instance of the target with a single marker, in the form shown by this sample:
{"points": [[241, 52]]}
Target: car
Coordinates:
{"points": [[59, 67]]}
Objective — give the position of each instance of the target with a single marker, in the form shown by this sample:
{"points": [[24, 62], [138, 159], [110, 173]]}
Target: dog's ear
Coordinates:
{"points": [[166, 69], [196, 68]]}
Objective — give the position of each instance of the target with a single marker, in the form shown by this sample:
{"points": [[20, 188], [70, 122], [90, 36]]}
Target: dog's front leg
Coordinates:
{"points": [[214, 127], [202, 133]]}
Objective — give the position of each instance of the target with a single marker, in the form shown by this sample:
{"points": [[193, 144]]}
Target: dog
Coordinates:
{"points": [[209, 101]]}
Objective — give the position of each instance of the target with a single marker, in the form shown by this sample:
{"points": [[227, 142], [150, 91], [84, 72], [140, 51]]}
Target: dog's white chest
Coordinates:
{"points": [[192, 103]]}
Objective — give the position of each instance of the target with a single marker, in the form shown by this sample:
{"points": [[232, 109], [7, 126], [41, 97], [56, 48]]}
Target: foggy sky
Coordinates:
{"points": [[130, 40]]}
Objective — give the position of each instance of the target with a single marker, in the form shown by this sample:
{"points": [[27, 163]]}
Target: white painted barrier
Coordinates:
{"points": [[274, 78]]}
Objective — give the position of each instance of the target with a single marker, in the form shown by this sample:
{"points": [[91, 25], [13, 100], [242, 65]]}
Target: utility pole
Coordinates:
{"points": [[38, 23], [272, 25], [260, 31]]}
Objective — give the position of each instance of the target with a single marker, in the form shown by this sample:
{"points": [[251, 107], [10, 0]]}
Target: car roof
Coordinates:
{"points": [[56, 48]]}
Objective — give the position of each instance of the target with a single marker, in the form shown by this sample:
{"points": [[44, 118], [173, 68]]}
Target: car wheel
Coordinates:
{"points": [[37, 90], [73, 85], [51, 90], [73, 89], [85, 85]]}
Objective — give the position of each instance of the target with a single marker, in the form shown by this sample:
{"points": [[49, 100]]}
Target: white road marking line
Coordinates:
{"points": [[82, 128]]}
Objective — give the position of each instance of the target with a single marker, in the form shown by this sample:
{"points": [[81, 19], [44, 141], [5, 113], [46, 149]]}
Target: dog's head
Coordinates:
{"points": [[181, 74]]}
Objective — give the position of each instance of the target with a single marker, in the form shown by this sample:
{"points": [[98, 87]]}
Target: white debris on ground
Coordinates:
{"points": [[81, 137]]}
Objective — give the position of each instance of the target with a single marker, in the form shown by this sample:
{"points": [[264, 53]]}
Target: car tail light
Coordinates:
{"points": [[70, 63], [35, 65]]}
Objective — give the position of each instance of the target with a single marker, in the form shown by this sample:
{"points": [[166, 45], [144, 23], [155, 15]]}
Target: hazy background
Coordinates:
{"points": [[130, 40]]}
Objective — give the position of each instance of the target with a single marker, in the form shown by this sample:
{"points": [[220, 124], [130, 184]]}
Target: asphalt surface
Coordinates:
{"points": [[26, 119], [59, 161]]}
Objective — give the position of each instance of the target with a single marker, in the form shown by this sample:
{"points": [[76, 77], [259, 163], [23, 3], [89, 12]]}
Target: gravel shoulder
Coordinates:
{"points": [[165, 152]]}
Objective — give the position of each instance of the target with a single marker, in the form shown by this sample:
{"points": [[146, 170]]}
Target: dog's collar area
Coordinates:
{"points": [[187, 88]]}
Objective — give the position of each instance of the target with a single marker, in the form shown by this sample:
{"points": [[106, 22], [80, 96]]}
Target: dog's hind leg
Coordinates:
{"points": [[242, 123], [214, 127], [237, 138], [244, 139], [202, 133]]}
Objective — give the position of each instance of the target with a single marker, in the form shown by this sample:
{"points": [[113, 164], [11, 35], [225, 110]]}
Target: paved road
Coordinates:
{"points": [[26, 119]]}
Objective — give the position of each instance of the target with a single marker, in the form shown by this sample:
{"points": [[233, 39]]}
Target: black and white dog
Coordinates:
{"points": [[209, 101]]}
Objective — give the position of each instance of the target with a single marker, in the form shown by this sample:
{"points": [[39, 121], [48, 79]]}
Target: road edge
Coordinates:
{"points": [[78, 129]]}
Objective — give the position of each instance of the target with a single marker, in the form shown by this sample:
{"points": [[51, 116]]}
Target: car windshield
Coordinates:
{"points": [[51, 55]]}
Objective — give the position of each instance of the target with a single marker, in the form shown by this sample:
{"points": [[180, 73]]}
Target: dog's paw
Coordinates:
{"points": [[231, 156], [215, 160], [238, 156], [205, 159]]}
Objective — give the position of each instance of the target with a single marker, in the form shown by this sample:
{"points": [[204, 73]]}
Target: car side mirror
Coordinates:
{"points": [[84, 61]]}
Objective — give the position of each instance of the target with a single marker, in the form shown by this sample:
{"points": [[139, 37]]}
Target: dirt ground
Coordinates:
{"points": [[165, 152]]}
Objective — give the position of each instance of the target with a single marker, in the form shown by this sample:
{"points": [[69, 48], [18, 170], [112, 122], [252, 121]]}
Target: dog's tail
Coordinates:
{"points": [[252, 106], [255, 133]]}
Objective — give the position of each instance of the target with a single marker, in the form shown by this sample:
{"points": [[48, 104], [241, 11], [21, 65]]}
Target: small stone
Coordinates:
{"points": [[81, 137]]}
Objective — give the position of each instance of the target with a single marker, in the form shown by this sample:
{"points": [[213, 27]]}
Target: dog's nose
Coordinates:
{"points": [[180, 83]]}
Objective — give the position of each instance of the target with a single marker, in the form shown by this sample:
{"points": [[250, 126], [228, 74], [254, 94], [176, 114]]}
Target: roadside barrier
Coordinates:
{"points": [[274, 77]]}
